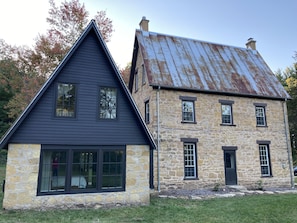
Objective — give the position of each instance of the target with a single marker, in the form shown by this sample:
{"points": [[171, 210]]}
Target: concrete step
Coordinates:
{"points": [[236, 187]]}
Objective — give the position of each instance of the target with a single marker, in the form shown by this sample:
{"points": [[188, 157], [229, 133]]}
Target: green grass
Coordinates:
{"points": [[247, 209]]}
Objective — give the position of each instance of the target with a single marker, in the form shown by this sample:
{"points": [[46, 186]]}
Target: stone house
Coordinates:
{"points": [[217, 113], [81, 142]]}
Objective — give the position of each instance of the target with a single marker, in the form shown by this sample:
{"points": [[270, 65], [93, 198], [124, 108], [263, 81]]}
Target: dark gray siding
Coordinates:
{"points": [[89, 68]]}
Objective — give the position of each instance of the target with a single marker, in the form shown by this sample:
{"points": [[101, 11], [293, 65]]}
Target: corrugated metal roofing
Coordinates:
{"points": [[184, 63]]}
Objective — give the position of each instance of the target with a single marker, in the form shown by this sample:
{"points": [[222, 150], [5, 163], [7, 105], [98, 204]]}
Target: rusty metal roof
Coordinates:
{"points": [[184, 63]]}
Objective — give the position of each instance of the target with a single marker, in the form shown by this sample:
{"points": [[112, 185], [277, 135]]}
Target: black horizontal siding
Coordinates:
{"points": [[89, 68]]}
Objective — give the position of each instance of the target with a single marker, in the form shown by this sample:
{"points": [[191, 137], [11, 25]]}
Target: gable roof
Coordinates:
{"points": [[92, 27], [188, 64]]}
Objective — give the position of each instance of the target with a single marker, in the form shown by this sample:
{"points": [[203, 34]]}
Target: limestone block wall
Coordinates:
{"points": [[212, 136], [22, 174]]}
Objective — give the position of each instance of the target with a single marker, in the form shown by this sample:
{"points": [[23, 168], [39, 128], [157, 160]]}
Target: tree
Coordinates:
{"points": [[289, 80], [126, 73]]}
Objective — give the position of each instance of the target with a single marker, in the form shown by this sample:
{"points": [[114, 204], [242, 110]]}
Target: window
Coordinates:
{"points": [[190, 158], [143, 74], [264, 158], [136, 79], [226, 108], [188, 109], [77, 169], [65, 100], [147, 111], [260, 114], [108, 103]]}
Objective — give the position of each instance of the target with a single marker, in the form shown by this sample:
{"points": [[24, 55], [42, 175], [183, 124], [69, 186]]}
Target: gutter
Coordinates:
{"points": [[158, 137], [289, 151]]}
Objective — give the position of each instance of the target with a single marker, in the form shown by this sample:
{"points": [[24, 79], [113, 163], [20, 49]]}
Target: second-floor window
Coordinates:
{"points": [[65, 100], [108, 103], [227, 113], [188, 109], [260, 114], [147, 111]]}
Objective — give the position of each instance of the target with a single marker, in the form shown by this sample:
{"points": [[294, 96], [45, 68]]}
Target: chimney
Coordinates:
{"points": [[251, 44], [144, 24]]}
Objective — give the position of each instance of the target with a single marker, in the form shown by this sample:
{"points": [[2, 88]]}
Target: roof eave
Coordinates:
{"points": [[156, 86]]}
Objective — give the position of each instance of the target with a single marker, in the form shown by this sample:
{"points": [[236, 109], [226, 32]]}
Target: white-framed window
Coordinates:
{"points": [[227, 112], [188, 109], [264, 160], [147, 111], [108, 103], [260, 110], [190, 167]]}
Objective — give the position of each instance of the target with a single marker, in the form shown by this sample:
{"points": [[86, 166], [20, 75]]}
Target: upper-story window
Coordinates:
{"points": [[147, 111], [108, 103], [65, 100], [143, 74], [260, 114], [136, 79], [188, 109], [227, 113]]}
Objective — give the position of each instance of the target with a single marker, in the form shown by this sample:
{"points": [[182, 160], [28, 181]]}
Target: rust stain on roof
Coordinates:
{"points": [[198, 65]]}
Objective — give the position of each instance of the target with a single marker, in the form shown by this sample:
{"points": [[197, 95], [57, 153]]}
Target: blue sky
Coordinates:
{"points": [[271, 23]]}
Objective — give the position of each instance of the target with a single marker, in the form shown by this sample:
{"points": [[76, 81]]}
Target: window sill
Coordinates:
{"points": [[227, 124], [196, 178], [267, 176], [262, 126], [184, 122]]}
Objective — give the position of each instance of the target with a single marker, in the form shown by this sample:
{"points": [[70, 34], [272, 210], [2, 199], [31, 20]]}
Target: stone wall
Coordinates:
{"points": [[22, 175]]}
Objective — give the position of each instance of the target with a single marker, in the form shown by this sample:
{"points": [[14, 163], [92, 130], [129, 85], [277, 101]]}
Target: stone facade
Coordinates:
{"points": [[22, 175], [212, 137]]}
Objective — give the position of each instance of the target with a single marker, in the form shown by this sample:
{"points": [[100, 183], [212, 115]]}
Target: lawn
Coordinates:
{"points": [[249, 209]]}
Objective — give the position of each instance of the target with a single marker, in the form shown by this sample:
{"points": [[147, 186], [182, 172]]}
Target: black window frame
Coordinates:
{"points": [[262, 106], [69, 150], [227, 103], [147, 111], [57, 97], [143, 79], [267, 156], [191, 100], [99, 103], [136, 77], [190, 141]]}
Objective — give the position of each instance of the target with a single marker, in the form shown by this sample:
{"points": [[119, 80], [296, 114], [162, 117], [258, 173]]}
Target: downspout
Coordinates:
{"points": [[288, 144], [158, 137]]}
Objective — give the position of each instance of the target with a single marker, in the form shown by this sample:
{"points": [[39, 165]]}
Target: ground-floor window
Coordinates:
{"points": [[79, 169], [264, 158], [190, 158]]}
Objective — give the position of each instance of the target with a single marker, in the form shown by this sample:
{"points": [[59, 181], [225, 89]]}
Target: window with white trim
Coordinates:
{"points": [[227, 113], [190, 169], [260, 114], [188, 109], [264, 160]]}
